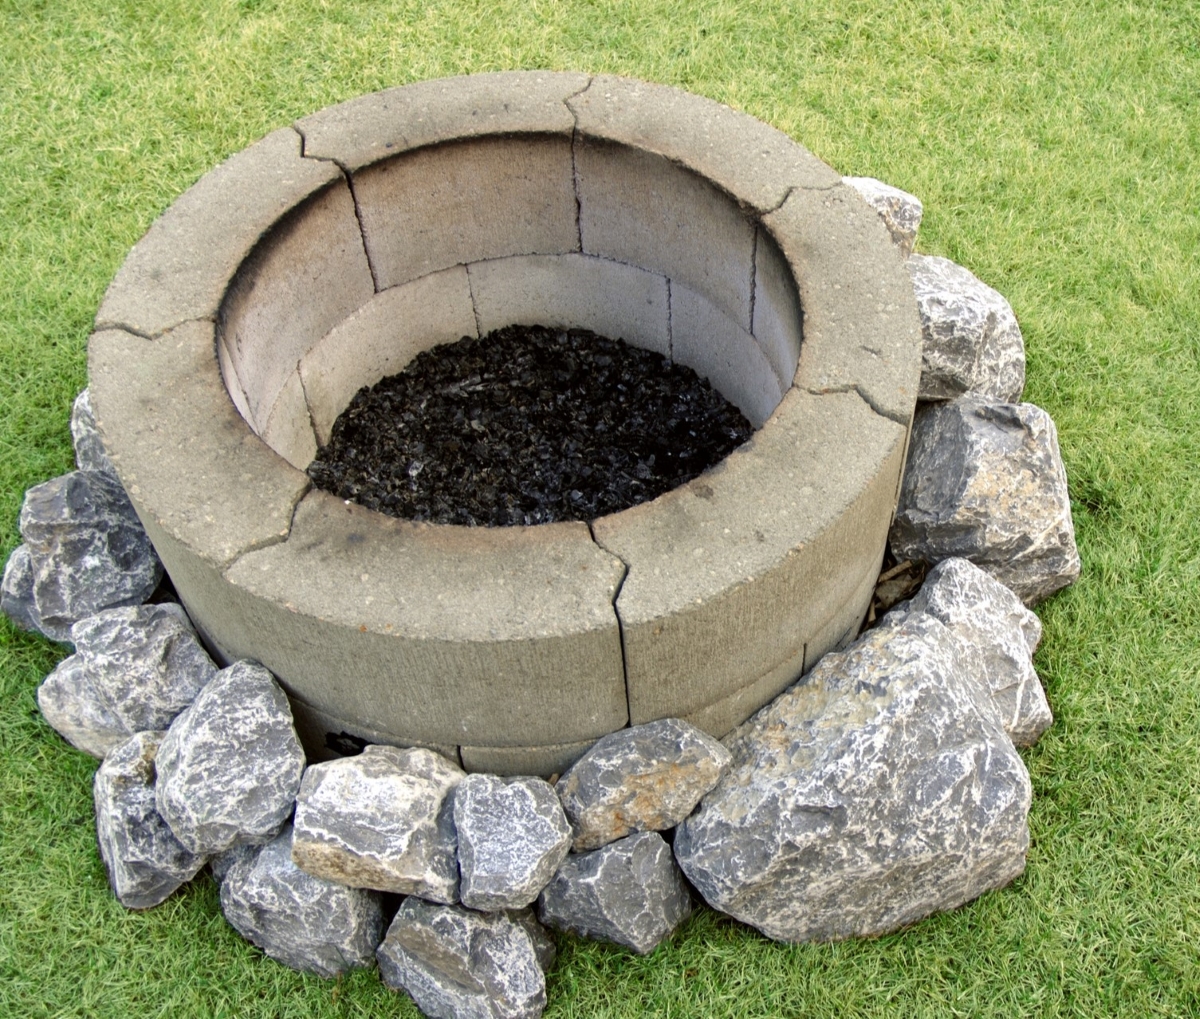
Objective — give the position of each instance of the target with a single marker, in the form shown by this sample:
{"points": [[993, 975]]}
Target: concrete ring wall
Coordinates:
{"points": [[329, 253]]}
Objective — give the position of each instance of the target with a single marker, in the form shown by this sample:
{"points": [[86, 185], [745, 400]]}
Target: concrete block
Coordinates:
{"points": [[179, 270], [708, 341], [381, 338], [574, 291], [543, 761], [700, 134], [722, 716], [639, 208], [308, 274], [466, 201], [383, 124], [776, 318], [326, 736], [289, 429], [840, 630]]}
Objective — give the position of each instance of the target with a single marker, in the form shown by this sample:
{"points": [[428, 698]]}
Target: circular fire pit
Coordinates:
{"points": [[329, 254]]}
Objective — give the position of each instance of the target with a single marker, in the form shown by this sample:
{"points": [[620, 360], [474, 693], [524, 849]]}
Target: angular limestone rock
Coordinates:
{"points": [[144, 860], [512, 835], [134, 668], [89, 449], [630, 892], [87, 549], [543, 944], [16, 591], [230, 765], [878, 790], [971, 340], [383, 820], [300, 920], [647, 778], [985, 481], [900, 211], [458, 964]]}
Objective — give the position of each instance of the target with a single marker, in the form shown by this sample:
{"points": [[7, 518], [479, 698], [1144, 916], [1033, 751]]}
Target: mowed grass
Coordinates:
{"points": [[1057, 149]]}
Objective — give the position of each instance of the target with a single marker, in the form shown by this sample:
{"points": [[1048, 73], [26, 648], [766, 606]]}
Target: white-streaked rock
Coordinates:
{"points": [[16, 590], [899, 210], [89, 447]]}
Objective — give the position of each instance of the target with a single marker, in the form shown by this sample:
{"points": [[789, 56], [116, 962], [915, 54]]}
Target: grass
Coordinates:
{"points": [[1055, 145]]}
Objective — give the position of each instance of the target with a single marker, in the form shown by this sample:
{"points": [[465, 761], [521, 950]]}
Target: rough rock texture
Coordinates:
{"points": [[457, 964], [899, 210], [223, 863], [646, 778], [971, 340], [134, 668], [985, 481], [383, 820], [89, 449], [512, 835], [543, 944], [87, 551], [302, 921], [230, 765], [988, 617], [144, 860], [16, 591], [630, 892], [880, 789]]}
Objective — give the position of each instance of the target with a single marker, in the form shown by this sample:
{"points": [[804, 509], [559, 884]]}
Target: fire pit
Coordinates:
{"points": [[328, 255]]}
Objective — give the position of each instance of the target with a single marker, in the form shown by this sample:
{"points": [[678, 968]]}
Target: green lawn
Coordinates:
{"points": [[1057, 149]]}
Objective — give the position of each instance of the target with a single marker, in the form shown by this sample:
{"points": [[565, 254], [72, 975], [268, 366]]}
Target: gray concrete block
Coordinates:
{"points": [[574, 291], [384, 124], [840, 629], [543, 761], [639, 208], [381, 338], [179, 270], [465, 201], [777, 318], [723, 715], [289, 429], [325, 736], [307, 275]]}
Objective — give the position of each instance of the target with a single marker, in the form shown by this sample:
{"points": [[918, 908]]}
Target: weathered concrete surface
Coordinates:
{"points": [[900, 211], [288, 427], [545, 761], [880, 789], [89, 447], [776, 313], [326, 737], [985, 481]]}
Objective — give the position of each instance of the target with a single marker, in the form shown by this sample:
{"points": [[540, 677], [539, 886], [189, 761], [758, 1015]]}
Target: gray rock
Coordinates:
{"points": [[16, 591], [646, 778], [144, 860], [630, 892], [230, 765], [543, 944], [458, 964], [383, 820], [985, 481], [900, 211], [235, 856], [89, 447], [302, 921], [878, 790], [134, 668], [971, 340], [87, 550], [512, 835]]}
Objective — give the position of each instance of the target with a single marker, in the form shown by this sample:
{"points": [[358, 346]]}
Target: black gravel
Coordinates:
{"points": [[527, 425]]}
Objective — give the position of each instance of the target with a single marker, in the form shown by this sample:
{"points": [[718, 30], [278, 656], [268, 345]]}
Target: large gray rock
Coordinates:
{"points": [[878, 790], [134, 668], [144, 860], [458, 964], [87, 551], [89, 448], [991, 620], [629, 891], [646, 778], [512, 835], [230, 765], [985, 481], [383, 820], [16, 590], [971, 340], [302, 921], [900, 211]]}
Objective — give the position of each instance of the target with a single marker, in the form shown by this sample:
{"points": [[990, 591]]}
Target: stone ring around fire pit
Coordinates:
{"points": [[328, 254]]}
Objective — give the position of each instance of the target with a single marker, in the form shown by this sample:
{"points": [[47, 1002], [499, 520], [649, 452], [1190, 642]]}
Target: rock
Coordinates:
{"points": [[971, 340], [144, 860], [16, 591], [879, 789], [512, 835], [543, 944], [900, 211], [230, 765], [383, 819], [89, 448], [87, 550], [988, 617], [629, 891], [646, 778], [985, 481], [299, 920], [135, 668], [458, 964], [234, 856]]}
